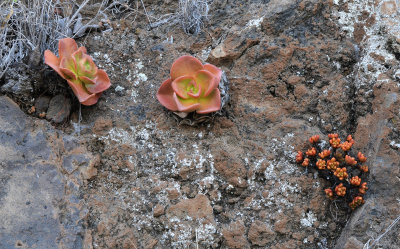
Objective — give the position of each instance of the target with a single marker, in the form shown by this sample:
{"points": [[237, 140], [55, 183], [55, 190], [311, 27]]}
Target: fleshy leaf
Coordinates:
{"points": [[52, 60], [79, 90], [92, 100], [85, 64], [67, 74], [185, 66], [211, 103], [186, 105], [69, 63], [66, 47], [83, 49], [165, 95], [185, 87], [215, 71], [206, 80], [101, 82], [87, 81]]}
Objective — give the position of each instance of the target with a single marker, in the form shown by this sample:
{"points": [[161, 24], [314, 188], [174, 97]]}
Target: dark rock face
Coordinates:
{"points": [[39, 205], [59, 109]]}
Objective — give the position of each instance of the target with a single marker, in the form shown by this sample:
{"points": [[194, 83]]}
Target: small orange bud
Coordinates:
{"points": [[311, 152], [324, 153], [341, 173], [299, 157], [361, 157], [306, 162], [350, 160], [321, 164], [340, 190], [314, 139], [350, 139], [363, 188], [332, 164], [357, 201], [333, 135], [355, 180], [335, 142], [329, 193], [364, 168], [346, 146]]}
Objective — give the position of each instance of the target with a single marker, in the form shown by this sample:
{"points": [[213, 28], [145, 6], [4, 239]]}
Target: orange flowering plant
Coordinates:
{"points": [[345, 172], [73, 64], [191, 87]]}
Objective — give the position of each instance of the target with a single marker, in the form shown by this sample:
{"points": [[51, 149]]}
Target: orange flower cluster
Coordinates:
{"points": [[340, 190], [346, 146], [350, 160], [334, 140], [332, 164], [361, 157], [311, 152], [350, 139], [321, 164], [364, 168], [357, 201], [306, 162], [329, 193], [338, 166], [355, 180], [341, 173], [299, 157], [314, 139], [324, 153], [363, 188]]}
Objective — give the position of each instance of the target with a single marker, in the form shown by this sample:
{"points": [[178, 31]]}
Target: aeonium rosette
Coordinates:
{"points": [[192, 87], [86, 80]]}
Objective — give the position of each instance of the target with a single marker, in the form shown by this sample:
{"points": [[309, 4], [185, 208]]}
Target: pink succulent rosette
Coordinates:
{"points": [[192, 87], [86, 80]]}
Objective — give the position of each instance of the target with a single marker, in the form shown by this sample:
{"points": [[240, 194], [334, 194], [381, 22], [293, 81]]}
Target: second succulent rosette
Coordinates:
{"points": [[86, 80], [191, 87]]}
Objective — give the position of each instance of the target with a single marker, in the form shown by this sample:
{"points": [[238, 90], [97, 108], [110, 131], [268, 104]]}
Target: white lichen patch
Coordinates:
{"points": [[119, 88], [255, 23], [374, 43], [150, 151], [308, 219]]}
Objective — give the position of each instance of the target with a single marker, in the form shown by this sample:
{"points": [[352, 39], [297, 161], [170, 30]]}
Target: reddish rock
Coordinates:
{"points": [[59, 109], [389, 7], [231, 48], [353, 243], [173, 194], [234, 236], [158, 210], [260, 234], [151, 244], [102, 126], [280, 225], [230, 169], [197, 208]]}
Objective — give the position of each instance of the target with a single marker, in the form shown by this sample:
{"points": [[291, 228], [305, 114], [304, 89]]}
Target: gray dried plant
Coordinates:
{"points": [[29, 27], [192, 14]]}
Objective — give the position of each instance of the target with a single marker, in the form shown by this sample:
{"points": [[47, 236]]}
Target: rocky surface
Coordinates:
{"points": [[129, 176], [41, 173]]}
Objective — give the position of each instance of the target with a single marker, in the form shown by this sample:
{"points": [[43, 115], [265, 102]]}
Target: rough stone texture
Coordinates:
{"points": [[378, 131], [59, 109], [41, 104], [260, 234], [295, 68], [234, 236], [40, 206]]}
